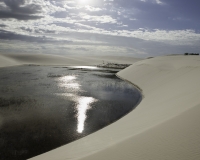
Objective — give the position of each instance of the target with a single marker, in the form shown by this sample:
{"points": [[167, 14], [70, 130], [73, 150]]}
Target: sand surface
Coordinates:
{"points": [[165, 125]]}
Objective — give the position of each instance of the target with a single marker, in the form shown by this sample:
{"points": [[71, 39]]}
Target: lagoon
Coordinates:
{"points": [[45, 107]]}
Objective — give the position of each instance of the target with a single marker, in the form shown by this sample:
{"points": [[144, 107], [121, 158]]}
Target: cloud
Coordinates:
{"points": [[100, 19], [6, 35], [22, 6], [120, 27], [7, 14], [19, 9], [2, 25], [159, 2], [81, 49], [153, 1], [92, 9], [60, 14]]}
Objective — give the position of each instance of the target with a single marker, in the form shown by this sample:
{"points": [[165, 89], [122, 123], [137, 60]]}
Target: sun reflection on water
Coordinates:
{"points": [[82, 107], [69, 82], [85, 67], [82, 103], [68, 78]]}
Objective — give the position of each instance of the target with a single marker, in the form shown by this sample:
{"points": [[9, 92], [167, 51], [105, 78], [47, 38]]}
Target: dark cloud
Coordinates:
{"points": [[26, 29], [63, 48], [8, 14], [61, 14], [2, 25], [39, 31], [6, 35], [81, 49], [20, 10], [65, 24], [15, 6], [44, 31]]}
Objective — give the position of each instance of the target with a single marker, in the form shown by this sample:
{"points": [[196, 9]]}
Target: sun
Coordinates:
{"points": [[88, 2], [84, 1]]}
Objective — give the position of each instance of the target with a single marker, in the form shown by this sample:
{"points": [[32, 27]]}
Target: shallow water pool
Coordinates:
{"points": [[45, 107]]}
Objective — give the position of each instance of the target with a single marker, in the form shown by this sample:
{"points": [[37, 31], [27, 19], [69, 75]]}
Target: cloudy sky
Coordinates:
{"points": [[139, 28]]}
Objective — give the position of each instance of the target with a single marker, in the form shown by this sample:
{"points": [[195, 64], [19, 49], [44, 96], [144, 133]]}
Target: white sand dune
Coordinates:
{"points": [[165, 125]]}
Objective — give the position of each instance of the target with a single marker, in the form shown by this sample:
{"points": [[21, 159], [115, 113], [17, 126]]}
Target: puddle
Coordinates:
{"points": [[45, 107]]}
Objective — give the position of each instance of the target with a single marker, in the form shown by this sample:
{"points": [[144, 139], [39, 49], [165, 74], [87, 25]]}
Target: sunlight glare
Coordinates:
{"points": [[84, 2], [69, 82], [82, 107], [68, 78]]}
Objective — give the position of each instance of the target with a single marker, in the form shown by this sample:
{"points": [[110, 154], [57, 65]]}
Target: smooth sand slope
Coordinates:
{"points": [[165, 125]]}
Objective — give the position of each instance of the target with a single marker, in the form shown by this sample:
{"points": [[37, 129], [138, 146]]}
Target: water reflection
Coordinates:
{"points": [[68, 78], [69, 82], [82, 107], [83, 103], [85, 67]]}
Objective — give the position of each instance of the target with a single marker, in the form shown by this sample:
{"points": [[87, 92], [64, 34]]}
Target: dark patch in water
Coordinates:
{"points": [[94, 70], [41, 111], [16, 101], [32, 65], [26, 73], [54, 75], [112, 76]]}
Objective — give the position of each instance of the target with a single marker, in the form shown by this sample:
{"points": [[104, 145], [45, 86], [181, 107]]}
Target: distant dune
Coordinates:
{"points": [[165, 125], [42, 59], [6, 61]]}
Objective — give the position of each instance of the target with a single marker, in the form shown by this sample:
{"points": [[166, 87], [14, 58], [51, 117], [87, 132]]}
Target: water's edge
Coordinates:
{"points": [[136, 86]]}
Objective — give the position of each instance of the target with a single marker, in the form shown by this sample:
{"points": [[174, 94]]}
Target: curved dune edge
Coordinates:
{"points": [[165, 125]]}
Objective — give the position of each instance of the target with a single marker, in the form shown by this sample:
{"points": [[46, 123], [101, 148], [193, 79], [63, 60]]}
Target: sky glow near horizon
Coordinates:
{"points": [[139, 28]]}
